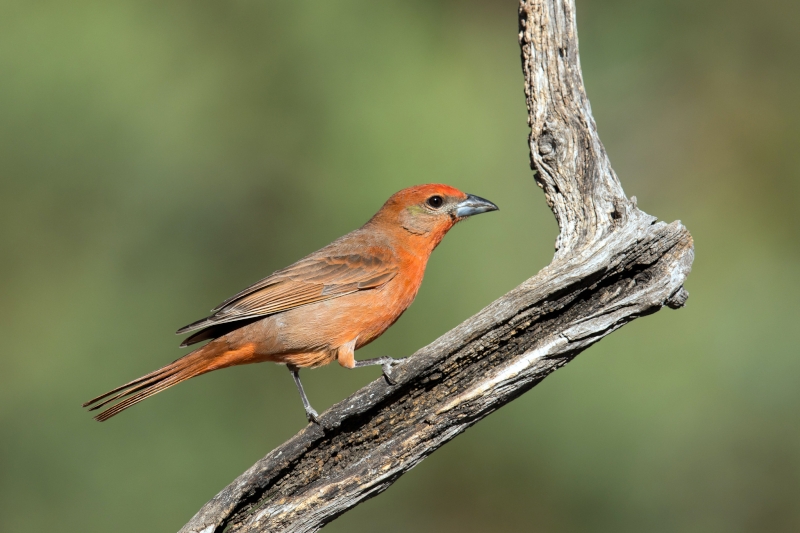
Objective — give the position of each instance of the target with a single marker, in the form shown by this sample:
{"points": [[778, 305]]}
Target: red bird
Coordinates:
{"points": [[323, 307]]}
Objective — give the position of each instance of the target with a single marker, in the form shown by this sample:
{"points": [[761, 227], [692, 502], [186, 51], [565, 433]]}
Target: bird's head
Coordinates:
{"points": [[429, 211]]}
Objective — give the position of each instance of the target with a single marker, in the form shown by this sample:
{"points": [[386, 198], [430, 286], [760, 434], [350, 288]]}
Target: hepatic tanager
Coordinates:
{"points": [[323, 307]]}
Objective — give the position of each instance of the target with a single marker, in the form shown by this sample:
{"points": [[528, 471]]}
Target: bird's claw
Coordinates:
{"points": [[312, 415], [387, 369]]}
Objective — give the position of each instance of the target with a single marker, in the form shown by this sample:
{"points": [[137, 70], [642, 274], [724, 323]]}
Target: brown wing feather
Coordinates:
{"points": [[310, 280]]}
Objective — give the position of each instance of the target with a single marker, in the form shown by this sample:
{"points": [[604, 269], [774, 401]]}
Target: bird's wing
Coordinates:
{"points": [[310, 280]]}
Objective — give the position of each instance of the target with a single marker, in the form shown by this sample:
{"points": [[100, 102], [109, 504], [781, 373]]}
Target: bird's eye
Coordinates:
{"points": [[435, 201]]}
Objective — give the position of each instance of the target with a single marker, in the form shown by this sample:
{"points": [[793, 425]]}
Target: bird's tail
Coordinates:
{"points": [[193, 364]]}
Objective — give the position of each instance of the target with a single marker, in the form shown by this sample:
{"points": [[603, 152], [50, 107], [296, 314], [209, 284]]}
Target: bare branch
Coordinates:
{"points": [[613, 263]]}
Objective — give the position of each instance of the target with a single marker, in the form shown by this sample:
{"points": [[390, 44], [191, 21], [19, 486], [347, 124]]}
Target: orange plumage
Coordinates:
{"points": [[323, 307]]}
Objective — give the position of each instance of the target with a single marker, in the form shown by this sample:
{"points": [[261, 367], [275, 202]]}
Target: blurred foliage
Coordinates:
{"points": [[156, 157]]}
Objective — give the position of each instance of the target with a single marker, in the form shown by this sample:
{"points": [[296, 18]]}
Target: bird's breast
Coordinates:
{"points": [[386, 306]]}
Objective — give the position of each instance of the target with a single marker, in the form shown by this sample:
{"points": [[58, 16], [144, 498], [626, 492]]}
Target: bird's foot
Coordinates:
{"points": [[387, 365], [312, 415]]}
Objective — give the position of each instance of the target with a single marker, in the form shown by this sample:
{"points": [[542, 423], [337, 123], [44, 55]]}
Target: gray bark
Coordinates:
{"points": [[613, 263]]}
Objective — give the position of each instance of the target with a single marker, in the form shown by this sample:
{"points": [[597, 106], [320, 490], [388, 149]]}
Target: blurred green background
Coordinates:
{"points": [[156, 157]]}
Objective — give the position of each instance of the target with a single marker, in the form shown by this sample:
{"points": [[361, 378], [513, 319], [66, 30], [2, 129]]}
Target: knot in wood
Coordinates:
{"points": [[552, 140], [548, 146], [619, 211], [643, 278], [678, 299]]}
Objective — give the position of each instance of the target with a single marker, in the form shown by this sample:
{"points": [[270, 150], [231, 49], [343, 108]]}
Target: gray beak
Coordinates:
{"points": [[474, 205]]}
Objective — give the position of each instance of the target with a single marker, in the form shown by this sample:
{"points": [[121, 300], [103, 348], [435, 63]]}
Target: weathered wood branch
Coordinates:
{"points": [[613, 263]]}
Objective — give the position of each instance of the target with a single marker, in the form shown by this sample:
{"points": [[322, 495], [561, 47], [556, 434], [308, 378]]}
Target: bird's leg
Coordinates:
{"points": [[346, 357], [311, 414], [386, 362]]}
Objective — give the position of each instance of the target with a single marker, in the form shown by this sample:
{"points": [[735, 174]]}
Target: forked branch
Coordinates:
{"points": [[613, 263]]}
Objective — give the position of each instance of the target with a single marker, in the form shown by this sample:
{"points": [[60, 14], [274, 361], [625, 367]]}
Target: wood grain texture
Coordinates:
{"points": [[613, 263]]}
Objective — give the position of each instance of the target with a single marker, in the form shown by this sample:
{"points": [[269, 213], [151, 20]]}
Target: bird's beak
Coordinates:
{"points": [[474, 205]]}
